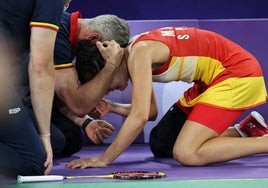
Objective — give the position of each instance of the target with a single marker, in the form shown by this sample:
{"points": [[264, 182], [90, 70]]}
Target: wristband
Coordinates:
{"points": [[86, 122]]}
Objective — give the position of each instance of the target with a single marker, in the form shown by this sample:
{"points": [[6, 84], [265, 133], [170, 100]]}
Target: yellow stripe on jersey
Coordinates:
{"points": [[207, 69], [232, 93], [63, 66], [44, 25]]}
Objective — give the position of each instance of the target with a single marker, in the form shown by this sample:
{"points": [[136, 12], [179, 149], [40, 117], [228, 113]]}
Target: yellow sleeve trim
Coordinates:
{"points": [[44, 25], [63, 66]]}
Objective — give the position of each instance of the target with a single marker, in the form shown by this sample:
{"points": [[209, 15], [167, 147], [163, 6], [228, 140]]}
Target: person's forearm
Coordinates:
{"points": [[124, 109], [93, 91], [90, 93], [119, 108], [42, 84], [127, 134], [74, 118]]}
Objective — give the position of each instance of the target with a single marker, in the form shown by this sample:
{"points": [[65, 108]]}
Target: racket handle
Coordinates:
{"points": [[22, 179]]}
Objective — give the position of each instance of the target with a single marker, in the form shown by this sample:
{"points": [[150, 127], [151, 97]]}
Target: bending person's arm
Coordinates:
{"points": [[42, 83], [96, 130], [106, 106], [81, 99], [140, 110]]}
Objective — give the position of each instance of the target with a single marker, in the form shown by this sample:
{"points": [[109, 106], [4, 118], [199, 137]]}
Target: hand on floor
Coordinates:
{"points": [[86, 162]]}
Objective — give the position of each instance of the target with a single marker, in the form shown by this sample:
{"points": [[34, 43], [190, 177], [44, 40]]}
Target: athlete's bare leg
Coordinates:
{"points": [[198, 145]]}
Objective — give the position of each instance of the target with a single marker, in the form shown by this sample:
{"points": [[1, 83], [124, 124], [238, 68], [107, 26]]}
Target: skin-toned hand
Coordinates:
{"points": [[49, 160], [86, 162], [99, 130], [106, 106], [102, 108], [111, 52]]}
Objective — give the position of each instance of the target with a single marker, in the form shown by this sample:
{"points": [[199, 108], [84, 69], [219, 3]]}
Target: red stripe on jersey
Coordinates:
{"points": [[63, 67]]}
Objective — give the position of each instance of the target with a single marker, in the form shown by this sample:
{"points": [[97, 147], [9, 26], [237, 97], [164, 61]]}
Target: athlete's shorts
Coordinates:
{"points": [[217, 119]]}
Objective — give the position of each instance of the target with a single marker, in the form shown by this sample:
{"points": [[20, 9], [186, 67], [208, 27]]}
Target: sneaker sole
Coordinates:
{"points": [[259, 118]]}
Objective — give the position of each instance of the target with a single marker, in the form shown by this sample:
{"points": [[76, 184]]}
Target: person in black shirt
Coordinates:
{"points": [[29, 25]]}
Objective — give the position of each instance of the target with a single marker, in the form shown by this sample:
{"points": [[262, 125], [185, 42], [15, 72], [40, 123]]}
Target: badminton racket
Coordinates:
{"points": [[129, 175]]}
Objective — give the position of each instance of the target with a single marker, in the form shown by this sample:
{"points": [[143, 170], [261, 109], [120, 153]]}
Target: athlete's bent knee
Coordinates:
{"points": [[187, 158]]}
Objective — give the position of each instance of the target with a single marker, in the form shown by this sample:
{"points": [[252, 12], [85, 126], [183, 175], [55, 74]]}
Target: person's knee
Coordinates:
{"points": [[187, 157], [31, 166], [159, 148], [165, 133], [38, 168], [77, 139], [73, 144], [58, 143], [25, 166]]}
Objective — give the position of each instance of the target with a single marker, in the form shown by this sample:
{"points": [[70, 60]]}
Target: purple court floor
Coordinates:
{"points": [[140, 158]]}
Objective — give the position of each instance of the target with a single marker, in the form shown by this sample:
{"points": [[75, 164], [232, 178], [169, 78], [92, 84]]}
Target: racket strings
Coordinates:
{"points": [[138, 175]]}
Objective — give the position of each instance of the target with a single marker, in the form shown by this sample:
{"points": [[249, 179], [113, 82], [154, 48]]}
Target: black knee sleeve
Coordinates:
{"points": [[164, 134]]}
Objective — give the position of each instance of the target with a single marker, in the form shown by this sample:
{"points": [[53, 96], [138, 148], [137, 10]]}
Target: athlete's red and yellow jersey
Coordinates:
{"points": [[224, 74]]}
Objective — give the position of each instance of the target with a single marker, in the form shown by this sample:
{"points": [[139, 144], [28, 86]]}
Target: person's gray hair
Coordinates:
{"points": [[111, 27]]}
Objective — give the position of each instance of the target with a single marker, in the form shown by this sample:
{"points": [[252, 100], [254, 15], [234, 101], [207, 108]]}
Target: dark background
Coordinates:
{"points": [[173, 9]]}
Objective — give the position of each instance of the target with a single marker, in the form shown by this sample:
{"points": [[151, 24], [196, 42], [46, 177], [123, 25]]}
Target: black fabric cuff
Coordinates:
{"points": [[86, 122]]}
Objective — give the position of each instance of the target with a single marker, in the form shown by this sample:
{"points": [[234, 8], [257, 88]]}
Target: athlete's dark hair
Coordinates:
{"points": [[89, 60]]}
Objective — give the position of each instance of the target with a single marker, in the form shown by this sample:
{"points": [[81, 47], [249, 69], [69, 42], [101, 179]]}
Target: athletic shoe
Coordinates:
{"points": [[253, 125]]}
